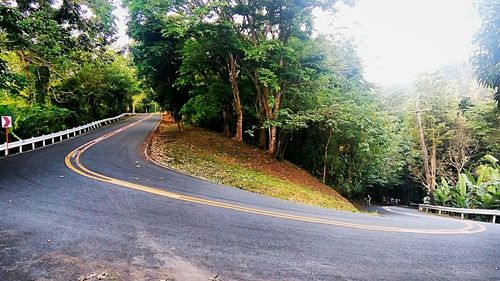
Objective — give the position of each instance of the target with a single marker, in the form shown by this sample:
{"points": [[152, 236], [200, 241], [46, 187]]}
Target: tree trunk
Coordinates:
{"points": [[262, 136], [41, 84], [261, 129], [233, 77], [281, 145], [239, 124], [433, 170], [179, 123], [326, 154], [272, 113], [425, 155], [272, 141], [268, 111], [227, 118]]}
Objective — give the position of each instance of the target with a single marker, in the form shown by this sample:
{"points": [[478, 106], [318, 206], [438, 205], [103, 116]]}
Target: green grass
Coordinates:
{"points": [[212, 169], [215, 165]]}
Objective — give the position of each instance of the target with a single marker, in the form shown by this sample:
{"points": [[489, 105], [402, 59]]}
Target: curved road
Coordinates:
{"points": [[96, 204]]}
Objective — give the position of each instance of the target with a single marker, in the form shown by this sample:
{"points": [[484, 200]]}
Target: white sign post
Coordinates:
{"points": [[6, 123]]}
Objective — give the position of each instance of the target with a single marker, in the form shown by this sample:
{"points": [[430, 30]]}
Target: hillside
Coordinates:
{"points": [[213, 157]]}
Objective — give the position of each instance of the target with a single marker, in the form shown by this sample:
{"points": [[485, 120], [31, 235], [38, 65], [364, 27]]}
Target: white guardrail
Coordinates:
{"points": [[41, 141], [461, 211]]}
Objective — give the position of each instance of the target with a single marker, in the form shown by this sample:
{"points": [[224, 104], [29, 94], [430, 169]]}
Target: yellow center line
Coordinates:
{"points": [[80, 169]]}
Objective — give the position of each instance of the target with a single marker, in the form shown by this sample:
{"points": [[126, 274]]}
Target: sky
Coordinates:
{"points": [[396, 39], [121, 15]]}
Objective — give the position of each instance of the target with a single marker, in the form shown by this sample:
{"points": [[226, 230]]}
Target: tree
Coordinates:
{"points": [[56, 67], [210, 57], [271, 29], [486, 56], [436, 96], [162, 29], [101, 88], [350, 142], [483, 120], [461, 145], [51, 40], [158, 40], [304, 95]]}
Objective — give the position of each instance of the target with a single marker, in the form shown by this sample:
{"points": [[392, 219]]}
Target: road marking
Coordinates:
{"points": [[409, 214], [74, 157]]}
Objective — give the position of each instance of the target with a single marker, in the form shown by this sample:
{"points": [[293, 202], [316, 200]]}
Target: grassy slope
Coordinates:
{"points": [[218, 159]]}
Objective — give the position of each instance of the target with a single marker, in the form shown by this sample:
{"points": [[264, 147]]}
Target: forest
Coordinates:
{"points": [[256, 71]]}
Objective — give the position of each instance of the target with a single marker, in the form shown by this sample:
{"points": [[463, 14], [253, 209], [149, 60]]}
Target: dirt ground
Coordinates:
{"points": [[202, 153]]}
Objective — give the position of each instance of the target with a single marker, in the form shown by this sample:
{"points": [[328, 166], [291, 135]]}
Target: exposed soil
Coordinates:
{"points": [[203, 153]]}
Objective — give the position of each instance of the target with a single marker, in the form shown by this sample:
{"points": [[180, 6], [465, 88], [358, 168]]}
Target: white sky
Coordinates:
{"points": [[121, 15], [396, 39]]}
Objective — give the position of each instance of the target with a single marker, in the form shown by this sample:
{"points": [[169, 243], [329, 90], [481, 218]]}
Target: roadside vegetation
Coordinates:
{"points": [[471, 191], [213, 157], [256, 72], [57, 68], [258, 75]]}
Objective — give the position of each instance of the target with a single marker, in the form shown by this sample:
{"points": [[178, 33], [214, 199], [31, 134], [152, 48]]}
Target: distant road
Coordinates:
{"points": [[96, 204]]}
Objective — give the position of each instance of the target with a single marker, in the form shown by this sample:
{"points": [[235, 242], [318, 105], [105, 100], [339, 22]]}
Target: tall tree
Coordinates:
{"points": [[164, 27], [99, 89], [51, 38], [271, 29], [462, 146], [486, 56], [213, 53], [435, 113]]}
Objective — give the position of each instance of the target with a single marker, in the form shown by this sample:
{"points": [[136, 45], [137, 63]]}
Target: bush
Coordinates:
{"points": [[479, 191], [41, 120]]}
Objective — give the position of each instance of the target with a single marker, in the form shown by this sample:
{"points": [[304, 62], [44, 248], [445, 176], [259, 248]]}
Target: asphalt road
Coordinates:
{"points": [[120, 214]]}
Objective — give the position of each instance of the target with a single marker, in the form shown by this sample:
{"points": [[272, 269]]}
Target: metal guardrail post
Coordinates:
{"points": [[461, 211], [74, 131]]}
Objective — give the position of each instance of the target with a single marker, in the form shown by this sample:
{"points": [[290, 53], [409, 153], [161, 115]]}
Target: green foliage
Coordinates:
{"points": [[101, 89], [443, 194], [56, 67], [479, 191], [308, 93], [205, 108], [37, 120], [486, 57], [436, 97], [484, 121], [51, 40], [156, 53], [363, 151]]}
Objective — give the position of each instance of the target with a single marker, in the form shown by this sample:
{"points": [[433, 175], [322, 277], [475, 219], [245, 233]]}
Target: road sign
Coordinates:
{"points": [[6, 122]]}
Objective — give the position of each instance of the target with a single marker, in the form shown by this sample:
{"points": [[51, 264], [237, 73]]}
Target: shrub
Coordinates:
{"points": [[41, 120], [481, 190]]}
